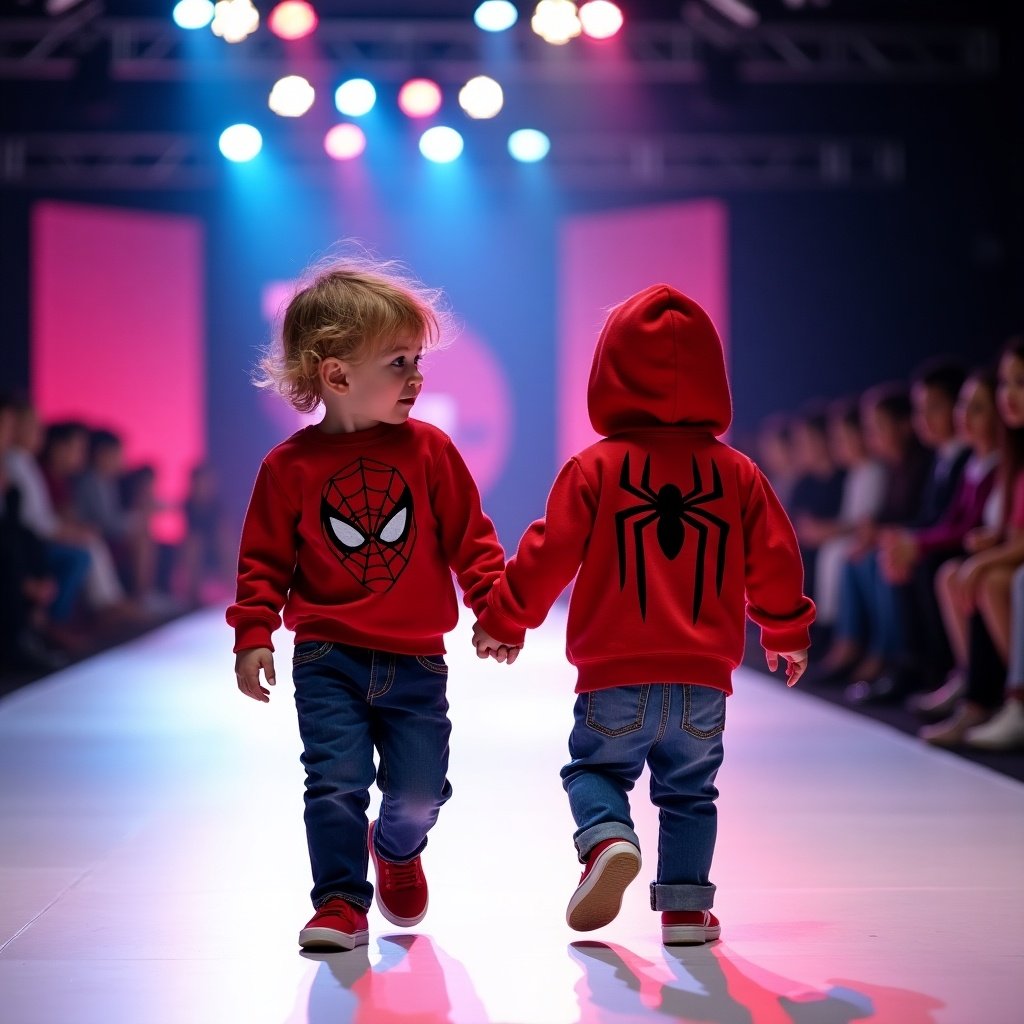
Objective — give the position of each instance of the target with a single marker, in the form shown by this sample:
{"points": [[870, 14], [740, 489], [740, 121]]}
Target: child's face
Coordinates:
{"points": [[1010, 391], [933, 415], [975, 415], [381, 389]]}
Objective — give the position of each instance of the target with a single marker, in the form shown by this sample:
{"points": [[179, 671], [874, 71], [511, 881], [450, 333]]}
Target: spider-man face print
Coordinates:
{"points": [[672, 511], [366, 513]]}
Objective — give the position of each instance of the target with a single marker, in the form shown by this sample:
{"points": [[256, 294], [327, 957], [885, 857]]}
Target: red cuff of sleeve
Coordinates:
{"points": [[248, 637], [502, 629], [786, 640]]}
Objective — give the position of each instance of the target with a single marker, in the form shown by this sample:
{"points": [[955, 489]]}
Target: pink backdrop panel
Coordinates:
{"points": [[117, 334], [606, 257]]}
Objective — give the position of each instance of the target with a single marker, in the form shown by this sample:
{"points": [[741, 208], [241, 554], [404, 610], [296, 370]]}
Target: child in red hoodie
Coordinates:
{"points": [[673, 537], [353, 528]]}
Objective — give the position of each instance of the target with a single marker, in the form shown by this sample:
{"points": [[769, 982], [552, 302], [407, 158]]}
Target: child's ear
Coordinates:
{"points": [[334, 376]]}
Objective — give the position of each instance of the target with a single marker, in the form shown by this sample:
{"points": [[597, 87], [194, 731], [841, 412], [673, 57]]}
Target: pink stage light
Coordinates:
{"points": [[345, 142], [292, 19], [419, 97], [600, 19]]}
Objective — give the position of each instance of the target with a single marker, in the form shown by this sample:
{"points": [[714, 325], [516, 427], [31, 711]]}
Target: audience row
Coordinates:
{"points": [[909, 505], [79, 562]]}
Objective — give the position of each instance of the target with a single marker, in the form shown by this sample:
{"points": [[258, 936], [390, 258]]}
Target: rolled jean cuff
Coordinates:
{"points": [[682, 897], [356, 901], [586, 841]]}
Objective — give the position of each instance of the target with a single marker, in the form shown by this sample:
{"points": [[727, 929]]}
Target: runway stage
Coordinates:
{"points": [[153, 866]]}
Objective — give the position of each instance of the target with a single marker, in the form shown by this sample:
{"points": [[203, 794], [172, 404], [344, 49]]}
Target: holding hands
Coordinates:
{"points": [[487, 647]]}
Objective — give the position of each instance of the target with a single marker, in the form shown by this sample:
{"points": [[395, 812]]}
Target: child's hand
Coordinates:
{"points": [[796, 664], [247, 672], [488, 647]]}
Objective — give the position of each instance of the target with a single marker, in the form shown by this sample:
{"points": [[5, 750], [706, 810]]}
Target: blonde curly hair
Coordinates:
{"points": [[349, 311]]}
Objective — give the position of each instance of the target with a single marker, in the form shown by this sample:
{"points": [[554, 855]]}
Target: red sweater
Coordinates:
{"points": [[356, 536], [672, 535]]}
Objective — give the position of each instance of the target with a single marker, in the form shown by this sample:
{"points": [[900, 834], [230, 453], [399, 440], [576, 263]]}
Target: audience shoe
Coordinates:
{"points": [[953, 731], [401, 888], [938, 704], [338, 924], [689, 927], [885, 689], [610, 867], [1004, 731]]}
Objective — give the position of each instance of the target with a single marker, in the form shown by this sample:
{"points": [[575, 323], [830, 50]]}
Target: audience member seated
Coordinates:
{"points": [[207, 554]]}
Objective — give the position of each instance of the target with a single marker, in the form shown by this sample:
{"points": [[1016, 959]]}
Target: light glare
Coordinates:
{"points": [[556, 21], [600, 19], [441, 144], [345, 141], [355, 97], [193, 14], [495, 15], [291, 96], [419, 97], [292, 19], [481, 97], [528, 145], [240, 143], [234, 20]]}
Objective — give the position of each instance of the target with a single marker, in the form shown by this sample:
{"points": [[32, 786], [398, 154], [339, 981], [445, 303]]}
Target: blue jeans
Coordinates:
{"points": [[870, 612], [351, 701], [675, 728]]}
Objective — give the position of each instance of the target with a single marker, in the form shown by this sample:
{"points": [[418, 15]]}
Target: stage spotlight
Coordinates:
{"points": [[441, 145], [234, 20], [292, 19], [419, 97], [240, 143], [193, 13], [556, 21], [600, 19], [528, 145], [495, 15], [291, 96], [355, 97], [345, 142], [481, 98]]}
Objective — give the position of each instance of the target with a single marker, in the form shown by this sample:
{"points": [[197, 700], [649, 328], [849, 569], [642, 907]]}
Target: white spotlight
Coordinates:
{"points": [[495, 15], [441, 145], [556, 21], [240, 143], [481, 97], [291, 96], [234, 20]]}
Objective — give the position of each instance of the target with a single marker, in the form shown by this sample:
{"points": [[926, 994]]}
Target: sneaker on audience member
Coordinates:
{"points": [[338, 924], [952, 731], [401, 888], [939, 703], [610, 867], [689, 927], [1004, 731]]}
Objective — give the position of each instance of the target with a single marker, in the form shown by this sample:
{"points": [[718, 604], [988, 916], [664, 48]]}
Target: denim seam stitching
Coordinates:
{"points": [[389, 680], [701, 734], [634, 726], [440, 670], [313, 655]]}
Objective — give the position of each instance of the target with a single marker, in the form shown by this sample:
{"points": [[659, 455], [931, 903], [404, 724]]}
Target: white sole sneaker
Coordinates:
{"points": [[328, 938], [690, 934], [598, 898]]}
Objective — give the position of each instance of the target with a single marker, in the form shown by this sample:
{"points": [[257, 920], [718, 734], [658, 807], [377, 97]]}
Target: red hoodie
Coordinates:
{"points": [[672, 535], [356, 536]]}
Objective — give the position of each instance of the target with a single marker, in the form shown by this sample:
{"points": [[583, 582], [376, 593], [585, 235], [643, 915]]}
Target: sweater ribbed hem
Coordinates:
{"points": [[669, 667]]}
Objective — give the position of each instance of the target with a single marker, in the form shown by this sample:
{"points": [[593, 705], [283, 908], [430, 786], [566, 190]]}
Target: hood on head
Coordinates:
{"points": [[658, 362]]}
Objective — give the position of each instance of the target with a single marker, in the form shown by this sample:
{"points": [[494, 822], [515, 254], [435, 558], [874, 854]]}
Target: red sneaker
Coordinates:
{"points": [[689, 927], [338, 924], [611, 866], [401, 888]]}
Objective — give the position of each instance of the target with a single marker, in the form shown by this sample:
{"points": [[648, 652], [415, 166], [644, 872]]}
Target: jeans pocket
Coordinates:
{"points": [[703, 711], [433, 663], [618, 710], [309, 651]]}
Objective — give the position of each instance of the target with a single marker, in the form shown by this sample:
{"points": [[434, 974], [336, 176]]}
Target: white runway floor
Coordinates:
{"points": [[153, 865]]}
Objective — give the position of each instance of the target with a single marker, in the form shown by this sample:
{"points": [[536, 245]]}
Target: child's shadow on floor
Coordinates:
{"points": [[711, 984], [414, 980]]}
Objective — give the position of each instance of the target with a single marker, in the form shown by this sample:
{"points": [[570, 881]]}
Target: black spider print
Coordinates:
{"points": [[672, 511]]}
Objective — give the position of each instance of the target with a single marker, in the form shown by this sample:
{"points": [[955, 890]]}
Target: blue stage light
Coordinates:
{"points": [[240, 143], [442, 145], [528, 145]]}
